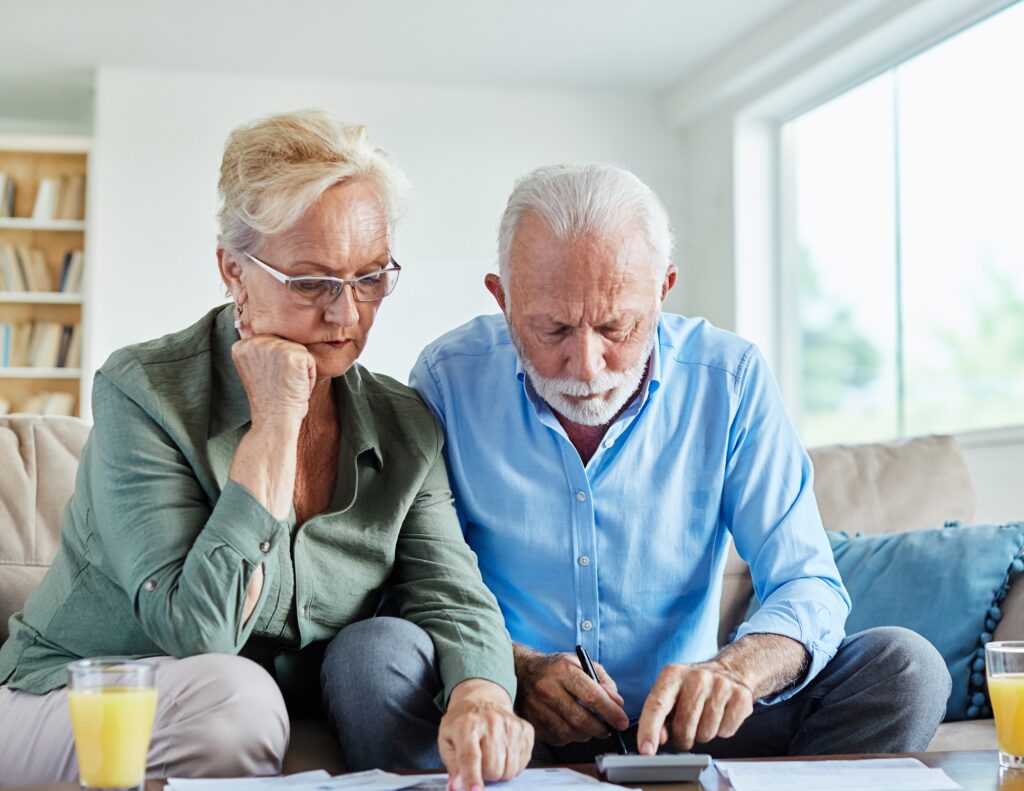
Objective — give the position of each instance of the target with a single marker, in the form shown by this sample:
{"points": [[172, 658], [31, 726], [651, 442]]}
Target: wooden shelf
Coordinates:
{"points": [[40, 373], [40, 298], [28, 224], [27, 160]]}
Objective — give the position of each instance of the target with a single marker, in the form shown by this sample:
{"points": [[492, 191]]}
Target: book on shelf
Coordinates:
{"points": [[46, 199], [73, 356], [24, 269], [34, 270], [49, 403], [71, 197], [44, 345], [40, 344], [14, 346], [6, 195], [60, 198], [12, 278], [71, 272]]}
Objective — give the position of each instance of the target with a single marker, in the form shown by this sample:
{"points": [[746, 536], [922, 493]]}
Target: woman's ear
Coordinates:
{"points": [[231, 273]]}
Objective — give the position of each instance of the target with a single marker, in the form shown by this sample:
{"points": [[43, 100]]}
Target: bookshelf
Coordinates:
{"points": [[47, 236]]}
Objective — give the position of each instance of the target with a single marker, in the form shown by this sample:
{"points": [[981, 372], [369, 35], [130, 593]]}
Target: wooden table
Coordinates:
{"points": [[974, 770]]}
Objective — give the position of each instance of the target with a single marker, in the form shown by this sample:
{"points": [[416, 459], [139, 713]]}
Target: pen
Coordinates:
{"points": [[588, 668]]}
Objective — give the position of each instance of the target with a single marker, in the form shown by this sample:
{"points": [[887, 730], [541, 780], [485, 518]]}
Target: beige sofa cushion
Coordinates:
{"points": [[39, 458], [891, 487]]}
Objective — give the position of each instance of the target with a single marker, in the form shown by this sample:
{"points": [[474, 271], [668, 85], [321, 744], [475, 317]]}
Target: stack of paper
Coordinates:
{"points": [[878, 774], [376, 780]]}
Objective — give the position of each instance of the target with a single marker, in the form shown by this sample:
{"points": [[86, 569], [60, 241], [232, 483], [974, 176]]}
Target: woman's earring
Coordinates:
{"points": [[238, 316]]}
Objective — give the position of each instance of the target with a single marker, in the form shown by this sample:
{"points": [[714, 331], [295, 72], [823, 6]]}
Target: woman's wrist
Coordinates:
{"points": [[480, 690]]}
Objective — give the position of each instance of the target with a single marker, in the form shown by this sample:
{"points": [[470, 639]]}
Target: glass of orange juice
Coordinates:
{"points": [[112, 703], [1004, 667]]}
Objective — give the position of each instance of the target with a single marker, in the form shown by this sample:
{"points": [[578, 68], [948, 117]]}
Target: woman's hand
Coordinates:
{"points": [[481, 738], [278, 376]]}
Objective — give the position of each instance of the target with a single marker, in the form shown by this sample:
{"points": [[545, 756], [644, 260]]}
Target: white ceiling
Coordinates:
{"points": [[49, 48]]}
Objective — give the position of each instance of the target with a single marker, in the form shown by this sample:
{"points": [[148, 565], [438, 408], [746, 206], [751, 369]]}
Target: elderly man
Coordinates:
{"points": [[602, 454]]}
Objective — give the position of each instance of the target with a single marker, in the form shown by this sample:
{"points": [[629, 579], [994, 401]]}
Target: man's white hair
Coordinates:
{"points": [[275, 168], [575, 200]]}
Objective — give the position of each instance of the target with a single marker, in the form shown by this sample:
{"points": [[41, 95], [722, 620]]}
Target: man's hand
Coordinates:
{"points": [[705, 701], [698, 702], [561, 700], [481, 738]]}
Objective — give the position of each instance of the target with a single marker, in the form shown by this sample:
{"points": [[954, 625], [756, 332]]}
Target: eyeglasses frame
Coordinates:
{"points": [[281, 277]]}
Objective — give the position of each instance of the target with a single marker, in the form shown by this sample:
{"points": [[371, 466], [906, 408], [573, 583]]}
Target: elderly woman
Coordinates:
{"points": [[247, 495]]}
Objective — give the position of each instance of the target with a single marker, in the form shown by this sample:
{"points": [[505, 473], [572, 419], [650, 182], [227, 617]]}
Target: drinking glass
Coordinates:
{"points": [[112, 703], [1004, 667]]}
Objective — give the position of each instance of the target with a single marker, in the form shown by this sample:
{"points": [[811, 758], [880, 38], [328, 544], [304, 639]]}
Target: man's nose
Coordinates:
{"points": [[586, 356], [343, 310]]}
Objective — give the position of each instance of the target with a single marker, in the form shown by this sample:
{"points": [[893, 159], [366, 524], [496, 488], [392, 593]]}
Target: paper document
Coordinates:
{"points": [[877, 774], [375, 780], [243, 783]]}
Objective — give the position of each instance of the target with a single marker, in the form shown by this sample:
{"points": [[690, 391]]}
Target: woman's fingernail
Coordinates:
{"points": [[477, 788], [647, 748]]}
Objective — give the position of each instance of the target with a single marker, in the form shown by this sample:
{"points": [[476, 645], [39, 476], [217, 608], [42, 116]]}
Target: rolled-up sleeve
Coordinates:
{"points": [[768, 504], [185, 565], [439, 588]]}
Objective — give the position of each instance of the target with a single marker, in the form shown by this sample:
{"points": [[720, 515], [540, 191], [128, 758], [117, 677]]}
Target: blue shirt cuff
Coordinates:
{"points": [[815, 631]]}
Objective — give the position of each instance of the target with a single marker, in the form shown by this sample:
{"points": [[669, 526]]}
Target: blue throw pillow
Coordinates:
{"points": [[944, 584]]}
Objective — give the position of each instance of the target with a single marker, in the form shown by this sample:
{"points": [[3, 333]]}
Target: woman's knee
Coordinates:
{"points": [[227, 716]]}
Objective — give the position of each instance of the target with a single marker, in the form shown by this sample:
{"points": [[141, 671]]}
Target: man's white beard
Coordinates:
{"points": [[616, 387]]}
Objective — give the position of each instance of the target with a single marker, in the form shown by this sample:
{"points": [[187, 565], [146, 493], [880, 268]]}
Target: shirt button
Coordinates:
{"points": [[584, 560], [305, 609], [265, 546], [608, 443], [149, 585], [581, 495], [587, 626]]}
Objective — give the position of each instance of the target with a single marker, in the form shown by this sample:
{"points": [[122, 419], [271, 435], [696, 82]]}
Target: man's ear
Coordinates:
{"points": [[493, 284], [231, 273], [670, 280]]}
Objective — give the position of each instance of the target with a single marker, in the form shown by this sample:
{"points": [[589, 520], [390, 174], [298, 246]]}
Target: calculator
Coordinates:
{"points": [[679, 768]]}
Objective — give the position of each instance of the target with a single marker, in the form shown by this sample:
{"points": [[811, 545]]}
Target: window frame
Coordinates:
{"points": [[765, 288]]}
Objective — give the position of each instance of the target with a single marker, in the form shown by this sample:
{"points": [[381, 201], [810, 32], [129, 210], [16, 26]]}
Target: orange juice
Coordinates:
{"points": [[1007, 694], [112, 726]]}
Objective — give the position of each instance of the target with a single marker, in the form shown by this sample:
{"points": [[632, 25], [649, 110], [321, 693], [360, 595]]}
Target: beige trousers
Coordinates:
{"points": [[217, 716]]}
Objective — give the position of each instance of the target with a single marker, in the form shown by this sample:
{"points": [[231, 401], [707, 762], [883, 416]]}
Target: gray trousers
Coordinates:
{"points": [[216, 716], [380, 681], [884, 691]]}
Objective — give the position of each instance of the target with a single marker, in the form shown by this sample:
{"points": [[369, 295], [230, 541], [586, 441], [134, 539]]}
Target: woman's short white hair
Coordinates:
{"points": [[576, 200], [275, 168]]}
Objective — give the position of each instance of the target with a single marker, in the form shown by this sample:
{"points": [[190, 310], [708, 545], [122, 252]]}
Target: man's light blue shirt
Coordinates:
{"points": [[625, 555]]}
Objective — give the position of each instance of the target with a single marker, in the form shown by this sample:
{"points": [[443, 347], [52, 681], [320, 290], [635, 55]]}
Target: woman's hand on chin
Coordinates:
{"points": [[278, 376], [481, 738]]}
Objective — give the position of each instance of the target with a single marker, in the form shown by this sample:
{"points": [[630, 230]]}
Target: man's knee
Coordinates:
{"points": [[914, 673], [229, 719]]}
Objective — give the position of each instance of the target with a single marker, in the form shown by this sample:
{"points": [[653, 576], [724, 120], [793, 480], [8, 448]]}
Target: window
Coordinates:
{"points": [[906, 268]]}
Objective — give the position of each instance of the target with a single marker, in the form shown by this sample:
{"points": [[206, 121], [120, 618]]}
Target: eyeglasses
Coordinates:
{"points": [[316, 291]]}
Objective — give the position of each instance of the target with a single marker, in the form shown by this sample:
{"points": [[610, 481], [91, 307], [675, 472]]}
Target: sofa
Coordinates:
{"points": [[893, 487]]}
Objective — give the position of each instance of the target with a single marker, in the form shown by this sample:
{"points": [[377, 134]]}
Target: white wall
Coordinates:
{"points": [[158, 139]]}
